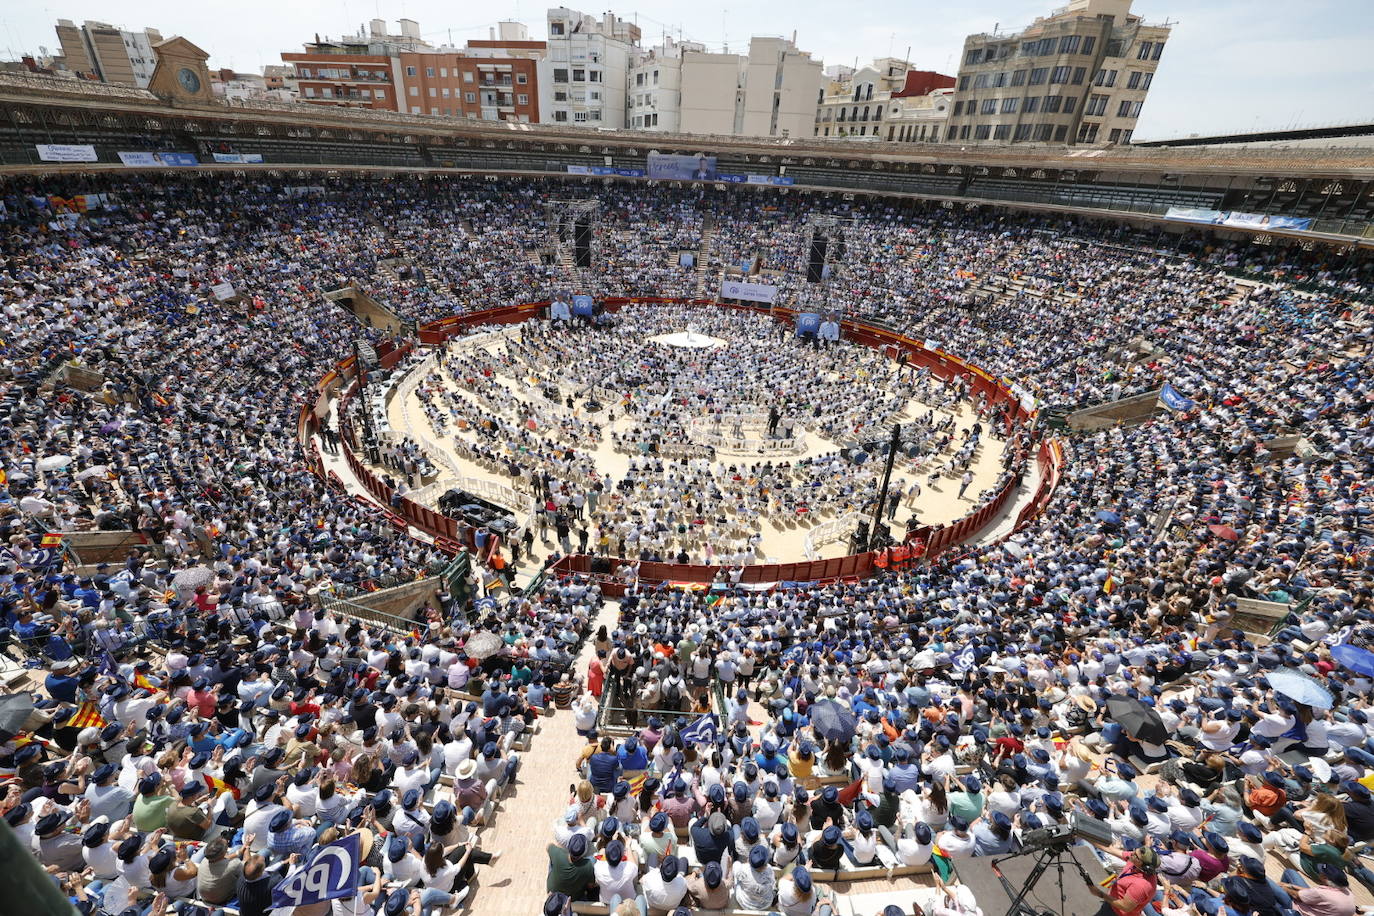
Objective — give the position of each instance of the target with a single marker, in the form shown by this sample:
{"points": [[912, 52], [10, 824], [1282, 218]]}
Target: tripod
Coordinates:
{"points": [[1053, 854]]}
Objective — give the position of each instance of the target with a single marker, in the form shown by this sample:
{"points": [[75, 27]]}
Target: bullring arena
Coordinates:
{"points": [[344, 509]]}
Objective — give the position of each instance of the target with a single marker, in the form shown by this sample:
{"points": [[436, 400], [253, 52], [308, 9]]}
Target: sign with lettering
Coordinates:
{"points": [[332, 872]]}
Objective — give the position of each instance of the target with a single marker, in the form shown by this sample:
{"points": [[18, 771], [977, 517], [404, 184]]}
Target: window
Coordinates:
{"points": [[1070, 103], [1144, 51], [974, 56], [1159, 50], [594, 75], [414, 109], [1114, 48], [1087, 133], [1060, 74], [1078, 74], [1039, 75], [989, 106], [841, 115], [1032, 104], [467, 76], [594, 96], [1105, 78], [1126, 135], [1088, 44], [594, 114], [878, 113], [560, 74], [655, 83], [410, 71], [1018, 78], [470, 98], [429, 72], [979, 82], [1069, 44], [560, 96], [305, 72], [522, 99], [443, 72], [1022, 132], [982, 131], [379, 93], [963, 83], [522, 78], [560, 116], [1114, 136], [1001, 80], [556, 28], [1051, 104], [1060, 133], [309, 92], [1001, 132], [958, 109], [579, 75], [431, 92], [579, 116], [639, 79], [443, 92], [1042, 133], [414, 91], [1009, 106]]}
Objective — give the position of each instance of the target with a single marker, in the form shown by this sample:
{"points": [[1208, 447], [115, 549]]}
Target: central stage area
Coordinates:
{"points": [[747, 445]]}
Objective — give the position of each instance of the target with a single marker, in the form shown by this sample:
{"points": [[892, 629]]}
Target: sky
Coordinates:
{"points": [[1230, 65]]}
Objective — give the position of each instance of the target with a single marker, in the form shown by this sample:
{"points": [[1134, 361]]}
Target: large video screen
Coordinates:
{"points": [[682, 168]]}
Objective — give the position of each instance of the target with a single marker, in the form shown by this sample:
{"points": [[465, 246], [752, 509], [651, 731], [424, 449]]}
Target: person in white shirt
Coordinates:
{"points": [[664, 887], [401, 865], [615, 872]]}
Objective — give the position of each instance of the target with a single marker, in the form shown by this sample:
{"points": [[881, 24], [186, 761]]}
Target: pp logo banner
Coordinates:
{"points": [[331, 872]]}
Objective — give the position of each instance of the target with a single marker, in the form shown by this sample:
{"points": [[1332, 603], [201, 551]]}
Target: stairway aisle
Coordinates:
{"points": [[514, 884]]}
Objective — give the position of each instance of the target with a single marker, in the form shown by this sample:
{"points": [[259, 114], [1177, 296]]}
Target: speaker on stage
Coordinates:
{"points": [[582, 243], [815, 266]]}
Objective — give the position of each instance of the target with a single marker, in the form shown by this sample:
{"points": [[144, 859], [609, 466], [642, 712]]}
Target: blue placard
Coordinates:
{"points": [[331, 872], [584, 305], [808, 323]]}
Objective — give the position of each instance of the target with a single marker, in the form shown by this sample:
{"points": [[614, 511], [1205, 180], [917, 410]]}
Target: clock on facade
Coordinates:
{"points": [[188, 79]]}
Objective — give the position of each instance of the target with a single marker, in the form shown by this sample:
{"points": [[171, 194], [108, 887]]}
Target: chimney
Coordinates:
{"points": [[410, 29], [378, 28], [491, 33]]}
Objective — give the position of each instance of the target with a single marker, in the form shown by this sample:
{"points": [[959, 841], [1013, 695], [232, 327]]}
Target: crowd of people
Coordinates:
{"points": [[234, 725]]}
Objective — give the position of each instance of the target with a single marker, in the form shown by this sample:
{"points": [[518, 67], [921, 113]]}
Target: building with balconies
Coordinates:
{"points": [[1079, 75], [590, 63]]}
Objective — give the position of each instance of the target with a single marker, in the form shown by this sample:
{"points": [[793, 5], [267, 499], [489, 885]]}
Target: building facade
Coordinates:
{"points": [[852, 102], [919, 118], [770, 92], [589, 67], [100, 51], [1079, 75], [491, 80], [655, 87]]}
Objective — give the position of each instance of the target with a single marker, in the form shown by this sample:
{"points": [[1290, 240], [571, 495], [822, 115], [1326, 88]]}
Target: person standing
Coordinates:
{"points": [[964, 481], [1133, 889]]}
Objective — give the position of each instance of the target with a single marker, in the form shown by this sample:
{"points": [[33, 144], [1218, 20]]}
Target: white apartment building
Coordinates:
{"points": [[109, 53], [770, 92], [865, 92], [655, 87], [589, 63]]}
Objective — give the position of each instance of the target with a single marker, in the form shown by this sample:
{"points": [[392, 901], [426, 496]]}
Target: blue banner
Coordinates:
{"points": [[808, 322], [584, 305], [1169, 396], [331, 872], [153, 160]]}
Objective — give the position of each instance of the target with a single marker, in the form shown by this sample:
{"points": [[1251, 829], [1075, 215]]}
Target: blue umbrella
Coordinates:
{"points": [[1353, 658], [1110, 517], [832, 721], [1300, 688]]}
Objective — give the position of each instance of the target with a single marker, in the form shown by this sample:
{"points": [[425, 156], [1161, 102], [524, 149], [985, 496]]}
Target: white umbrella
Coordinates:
{"points": [[54, 462], [98, 470], [193, 577]]}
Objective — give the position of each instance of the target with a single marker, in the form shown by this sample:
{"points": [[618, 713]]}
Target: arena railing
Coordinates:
{"points": [[453, 536]]}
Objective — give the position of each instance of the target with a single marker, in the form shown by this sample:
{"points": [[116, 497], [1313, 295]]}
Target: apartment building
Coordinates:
{"points": [[769, 92], [590, 62], [655, 87], [1077, 76], [104, 52], [493, 80]]}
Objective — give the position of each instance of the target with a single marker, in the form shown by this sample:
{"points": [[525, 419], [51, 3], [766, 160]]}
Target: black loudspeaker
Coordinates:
{"points": [[582, 243], [815, 266], [839, 248]]}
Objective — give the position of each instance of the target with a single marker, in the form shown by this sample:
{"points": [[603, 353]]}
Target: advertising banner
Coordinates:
{"points": [[583, 305], [1238, 219], [683, 168], [750, 292], [808, 323], [66, 152], [238, 157], [1170, 398], [145, 160]]}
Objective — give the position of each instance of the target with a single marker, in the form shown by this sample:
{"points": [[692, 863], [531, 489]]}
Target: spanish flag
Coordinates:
{"points": [[87, 716], [51, 539], [637, 784], [1109, 586], [218, 787], [141, 681], [159, 400]]}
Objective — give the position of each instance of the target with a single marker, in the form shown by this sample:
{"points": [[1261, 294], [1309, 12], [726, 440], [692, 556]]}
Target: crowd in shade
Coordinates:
{"points": [[199, 724]]}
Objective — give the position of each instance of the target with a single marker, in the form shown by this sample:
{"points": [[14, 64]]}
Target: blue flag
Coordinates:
{"points": [[332, 871], [702, 731], [1173, 400], [966, 659]]}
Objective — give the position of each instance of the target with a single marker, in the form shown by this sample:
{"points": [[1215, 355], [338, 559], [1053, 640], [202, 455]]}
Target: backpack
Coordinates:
{"points": [[671, 695]]}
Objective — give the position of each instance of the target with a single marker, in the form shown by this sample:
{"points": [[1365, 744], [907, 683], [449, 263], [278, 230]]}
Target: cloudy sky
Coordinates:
{"points": [[1230, 64]]}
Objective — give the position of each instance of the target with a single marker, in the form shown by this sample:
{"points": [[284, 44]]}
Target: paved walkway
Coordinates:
{"points": [[514, 884]]}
